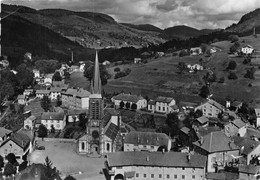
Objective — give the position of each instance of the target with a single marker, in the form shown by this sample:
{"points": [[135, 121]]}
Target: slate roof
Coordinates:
{"points": [[247, 144], [20, 139], [43, 91], [250, 132], [77, 92], [52, 116], [158, 159], [147, 138], [249, 169], [214, 103], [76, 111], [4, 131], [239, 123], [32, 118], [202, 119], [236, 103], [202, 131], [108, 113], [56, 89], [216, 142], [185, 130], [21, 96], [128, 97], [163, 99], [111, 131], [152, 102]]}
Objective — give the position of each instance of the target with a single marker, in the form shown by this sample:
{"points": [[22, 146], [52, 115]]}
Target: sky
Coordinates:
{"points": [[200, 14]]}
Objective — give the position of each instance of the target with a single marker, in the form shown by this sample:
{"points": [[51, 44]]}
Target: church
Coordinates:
{"points": [[103, 128]]}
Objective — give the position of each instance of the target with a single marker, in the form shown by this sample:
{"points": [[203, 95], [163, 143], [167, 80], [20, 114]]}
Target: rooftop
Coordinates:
{"points": [[239, 123], [111, 131], [164, 99], [4, 131], [20, 139], [249, 169], [52, 116], [168, 159], [77, 92], [202, 119], [128, 97], [247, 145], [42, 91], [147, 138]]}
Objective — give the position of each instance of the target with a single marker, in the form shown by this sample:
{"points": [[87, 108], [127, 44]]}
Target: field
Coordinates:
{"points": [[161, 76], [65, 159]]}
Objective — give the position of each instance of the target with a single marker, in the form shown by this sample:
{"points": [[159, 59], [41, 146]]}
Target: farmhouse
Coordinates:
{"points": [[218, 148], [29, 123], [146, 141], [195, 51], [36, 73], [41, 93], [247, 49], [202, 121], [4, 134], [21, 99], [235, 127], [55, 92], [210, 108], [129, 98], [137, 60], [55, 119], [48, 79], [162, 105], [155, 165]]}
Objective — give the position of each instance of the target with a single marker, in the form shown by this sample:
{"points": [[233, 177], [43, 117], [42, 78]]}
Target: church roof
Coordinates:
{"points": [[111, 131]]}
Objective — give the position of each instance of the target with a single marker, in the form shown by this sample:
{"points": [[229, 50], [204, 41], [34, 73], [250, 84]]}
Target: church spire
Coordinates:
{"points": [[96, 82]]}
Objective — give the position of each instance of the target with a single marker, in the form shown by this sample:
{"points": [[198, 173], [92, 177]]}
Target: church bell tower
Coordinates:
{"points": [[95, 115]]}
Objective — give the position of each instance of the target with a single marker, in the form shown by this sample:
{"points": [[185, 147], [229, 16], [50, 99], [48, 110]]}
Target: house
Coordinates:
{"points": [[248, 148], [249, 172], [218, 148], [195, 51], [202, 121], [162, 105], [213, 50], [19, 144], [48, 79], [36, 73], [210, 108], [110, 134], [53, 119], [29, 123], [234, 106], [257, 112], [247, 49], [251, 133], [4, 134], [60, 84], [155, 165], [146, 141], [41, 93], [82, 67], [160, 54], [137, 60], [106, 63], [74, 68], [129, 98], [21, 99], [75, 98], [27, 92], [235, 127], [55, 92]]}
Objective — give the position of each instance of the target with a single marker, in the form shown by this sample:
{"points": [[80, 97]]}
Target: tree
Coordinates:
{"points": [[45, 103], [133, 106], [250, 73], [162, 148], [42, 131], [66, 75], [232, 75], [50, 172], [117, 69], [232, 65], [9, 169], [198, 113], [24, 76], [52, 129], [127, 105], [204, 47], [121, 105], [172, 121], [181, 66], [69, 178], [204, 91], [221, 80], [58, 102], [183, 53], [233, 38], [104, 75], [57, 76], [1, 162], [47, 66], [11, 158], [83, 120]]}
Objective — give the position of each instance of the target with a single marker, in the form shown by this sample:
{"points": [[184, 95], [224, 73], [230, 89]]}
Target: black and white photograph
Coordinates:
{"points": [[130, 90]]}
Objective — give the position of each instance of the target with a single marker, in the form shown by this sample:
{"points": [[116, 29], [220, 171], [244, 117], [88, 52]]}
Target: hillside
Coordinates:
{"points": [[247, 23], [94, 30], [20, 36], [144, 27]]}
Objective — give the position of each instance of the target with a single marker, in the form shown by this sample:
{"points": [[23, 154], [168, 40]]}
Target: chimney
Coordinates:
{"points": [[201, 140], [163, 150], [147, 158], [138, 139]]}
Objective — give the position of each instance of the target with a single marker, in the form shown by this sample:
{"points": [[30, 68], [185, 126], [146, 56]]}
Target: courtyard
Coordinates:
{"points": [[65, 158]]}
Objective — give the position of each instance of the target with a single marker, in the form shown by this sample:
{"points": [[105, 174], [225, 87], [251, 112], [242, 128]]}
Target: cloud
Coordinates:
{"points": [[163, 13]]}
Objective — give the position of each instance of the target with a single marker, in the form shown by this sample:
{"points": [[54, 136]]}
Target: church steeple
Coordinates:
{"points": [[96, 82]]}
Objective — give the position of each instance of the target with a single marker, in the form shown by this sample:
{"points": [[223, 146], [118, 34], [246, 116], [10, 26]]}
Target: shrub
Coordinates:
{"points": [[250, 73], [183, 53], [232, 65], [221, 80], [117, 69], [232, 75]]}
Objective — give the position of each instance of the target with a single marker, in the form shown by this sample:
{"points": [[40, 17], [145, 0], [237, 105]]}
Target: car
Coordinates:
{"points": [[40, 148]]}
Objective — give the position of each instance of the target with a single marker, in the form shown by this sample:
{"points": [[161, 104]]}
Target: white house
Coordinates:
{"points": [[129, 98], [27, 92], [247, 49], [29, 122], [235, 127], [257, 112], [21, 99], [55, 92], [48, 79], [195, 51], [162, 105], [4, 134], [210, 108], [146, 141], [41, 93], [36, 73], [137, 60], [106, 62], [55, 119], [140, 165]]}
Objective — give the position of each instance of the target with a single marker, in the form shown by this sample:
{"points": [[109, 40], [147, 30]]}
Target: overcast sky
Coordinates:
{"points": [[161, 13]]}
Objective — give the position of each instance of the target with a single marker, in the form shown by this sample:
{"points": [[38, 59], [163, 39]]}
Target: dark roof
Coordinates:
{"points": [[239, 123], [214, 103], [249, 169], [250, 132], [77, 92], [202, 119], [108, 113], [247, 144], [236, 103], [202, 131], [20, 139], [147, 138], [185, 130], [168, 159], [164, 99], [76, 111], [187, 104], [152, 102], [42, 91], [56, 89], [52, 116], [112, 131], [216, 142], [128, 97], [4, 131], [216, 176]]}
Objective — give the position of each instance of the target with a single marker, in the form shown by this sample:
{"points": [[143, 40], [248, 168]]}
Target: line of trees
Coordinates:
{"points": [[128, 105]]}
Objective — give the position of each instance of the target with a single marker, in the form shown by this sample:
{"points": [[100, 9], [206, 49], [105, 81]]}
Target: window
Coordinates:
{"points": [[83, 146], [183, 176], [108, 147], [175, 176], [152, 147], [163, 108], [193, 176], [159, 108], [119, 167], [183, 168], [144, 175], [136, 175], [160, 176], [168, 176], [152, 175]]}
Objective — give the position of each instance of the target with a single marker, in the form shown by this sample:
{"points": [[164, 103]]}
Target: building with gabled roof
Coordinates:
{"points": [[29, 123], [146, 141], [247, 49], [21, 99], [210, 108], [129, 98], [235, 127], [201, 121], [162, 104], [41, 93], [55, 92], [218, 148], [4, 134], [155, 165], [249, 172], [55, 119]]}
